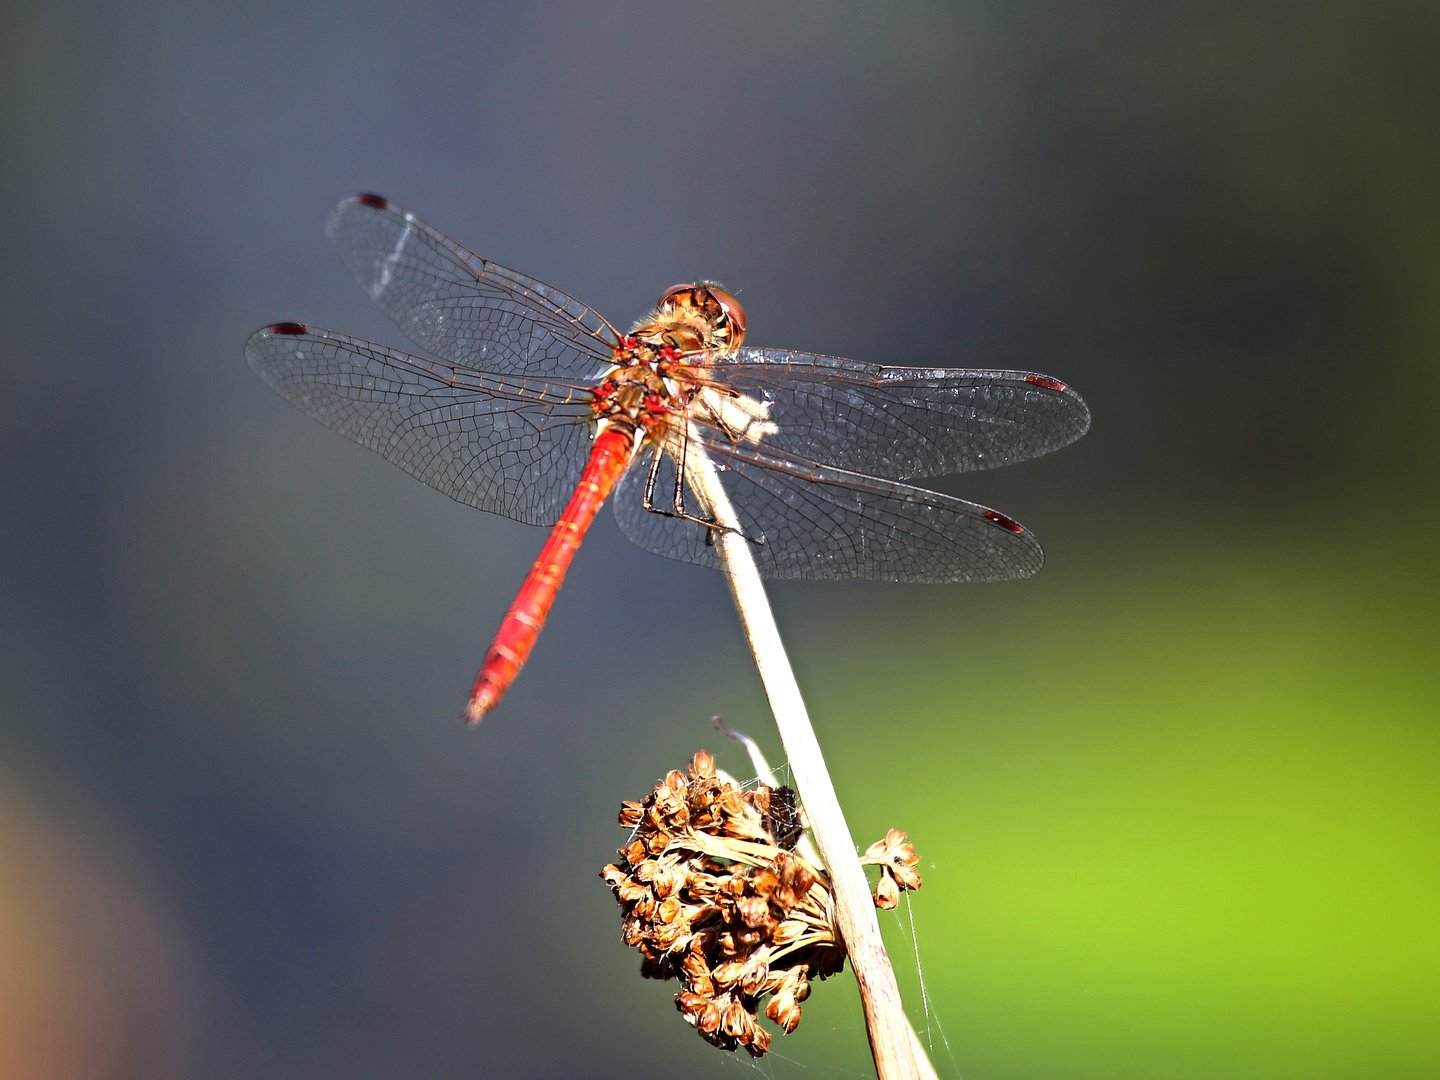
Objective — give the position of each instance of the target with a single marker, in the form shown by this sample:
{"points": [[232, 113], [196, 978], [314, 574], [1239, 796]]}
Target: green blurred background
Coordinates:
{"points": [[1175, 797]]}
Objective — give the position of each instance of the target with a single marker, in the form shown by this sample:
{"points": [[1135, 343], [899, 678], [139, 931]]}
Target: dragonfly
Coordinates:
{"points": [[534, 406]]}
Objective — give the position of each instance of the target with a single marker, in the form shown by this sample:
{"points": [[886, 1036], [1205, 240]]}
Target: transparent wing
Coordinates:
{"points": [[462, 307], [814, 521], [903, 422], [508, 445]]}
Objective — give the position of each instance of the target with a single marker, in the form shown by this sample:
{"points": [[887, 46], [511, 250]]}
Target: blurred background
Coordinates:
{"points": [[1175, 796]]}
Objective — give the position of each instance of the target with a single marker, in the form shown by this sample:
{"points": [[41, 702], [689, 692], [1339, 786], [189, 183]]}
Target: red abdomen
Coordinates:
{"points": [[609, 458]]}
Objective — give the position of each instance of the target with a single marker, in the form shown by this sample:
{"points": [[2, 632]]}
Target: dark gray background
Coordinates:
{"points": [[235, 646]]}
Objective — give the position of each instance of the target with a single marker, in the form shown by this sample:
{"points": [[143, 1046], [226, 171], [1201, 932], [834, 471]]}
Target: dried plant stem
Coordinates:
{"points": [[806, 848], [891, 1039]]}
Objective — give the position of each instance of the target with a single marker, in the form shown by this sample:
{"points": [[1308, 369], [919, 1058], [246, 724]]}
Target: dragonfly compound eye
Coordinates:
{"points": [[734, 314], [720, 311]]}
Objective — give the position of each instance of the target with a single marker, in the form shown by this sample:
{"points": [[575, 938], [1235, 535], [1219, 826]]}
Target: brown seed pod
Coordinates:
{"points": [[712, 896], [759, 1041], [788, 931], [785, 1011], [887, 893]]}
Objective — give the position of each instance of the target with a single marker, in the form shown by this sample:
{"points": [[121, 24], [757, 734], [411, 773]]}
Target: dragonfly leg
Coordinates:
{"points": [[677, 498], [678, 510]]}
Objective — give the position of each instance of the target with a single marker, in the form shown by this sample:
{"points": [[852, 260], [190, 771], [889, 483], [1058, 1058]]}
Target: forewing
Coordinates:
{"points": [[462, 307], [903, 422], [807, 520], [507, 445]]}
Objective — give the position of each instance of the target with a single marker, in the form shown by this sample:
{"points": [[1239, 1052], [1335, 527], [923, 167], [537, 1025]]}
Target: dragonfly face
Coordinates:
{"points": [[710, 307]]}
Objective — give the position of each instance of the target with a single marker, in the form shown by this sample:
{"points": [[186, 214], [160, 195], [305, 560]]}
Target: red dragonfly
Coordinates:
{"points": [[538, 407]]}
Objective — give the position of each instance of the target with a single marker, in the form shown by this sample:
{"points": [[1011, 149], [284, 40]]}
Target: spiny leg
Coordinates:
{"points": [[678, 498]]}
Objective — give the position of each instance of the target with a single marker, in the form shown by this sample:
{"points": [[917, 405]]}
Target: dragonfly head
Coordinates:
{"points": [[713, 311]]}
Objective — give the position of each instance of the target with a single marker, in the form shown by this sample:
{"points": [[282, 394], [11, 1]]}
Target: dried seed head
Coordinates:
{"points": [[897, 859], [714, 913]]}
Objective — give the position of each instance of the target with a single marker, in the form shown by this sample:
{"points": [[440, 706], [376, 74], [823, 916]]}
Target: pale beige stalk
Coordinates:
{"points": [[806, 848], [892, 1041]]}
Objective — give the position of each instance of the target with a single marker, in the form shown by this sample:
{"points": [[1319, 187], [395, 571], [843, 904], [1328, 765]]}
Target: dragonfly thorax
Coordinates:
{"points": [[647, 388], [638, 395]]}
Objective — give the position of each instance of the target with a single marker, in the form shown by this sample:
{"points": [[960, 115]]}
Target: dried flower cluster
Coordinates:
{"points": [[897, 861], [713, 897]]}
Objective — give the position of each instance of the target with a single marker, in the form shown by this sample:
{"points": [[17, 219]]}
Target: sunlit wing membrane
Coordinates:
{"points": [[814, 521], [903, 422], [464, 308], [506, 444]]}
